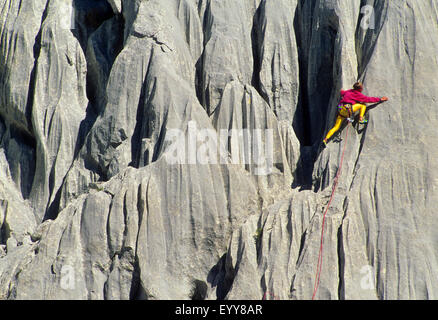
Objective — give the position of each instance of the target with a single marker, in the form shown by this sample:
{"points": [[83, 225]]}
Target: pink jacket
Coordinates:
{"points": [[353, 96]]}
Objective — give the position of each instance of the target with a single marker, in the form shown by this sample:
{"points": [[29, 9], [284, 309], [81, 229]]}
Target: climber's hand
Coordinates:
{"points": [[384, 99]]}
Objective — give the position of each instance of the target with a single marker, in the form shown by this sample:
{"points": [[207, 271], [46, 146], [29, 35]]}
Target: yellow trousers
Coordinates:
{"points": [[343, 114]]}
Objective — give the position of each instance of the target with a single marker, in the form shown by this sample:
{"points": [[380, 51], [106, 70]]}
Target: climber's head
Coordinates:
{"points": [[358, 86]]}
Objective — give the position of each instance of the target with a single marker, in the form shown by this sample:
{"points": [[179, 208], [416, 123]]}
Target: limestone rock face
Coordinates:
{"points": [[170, 149]]}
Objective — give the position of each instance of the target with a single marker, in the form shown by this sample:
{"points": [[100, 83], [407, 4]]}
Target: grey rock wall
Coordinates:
{"points": [[92, 205]]}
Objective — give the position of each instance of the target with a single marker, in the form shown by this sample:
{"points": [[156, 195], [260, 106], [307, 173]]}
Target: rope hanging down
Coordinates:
{"points": [[335, 184]]}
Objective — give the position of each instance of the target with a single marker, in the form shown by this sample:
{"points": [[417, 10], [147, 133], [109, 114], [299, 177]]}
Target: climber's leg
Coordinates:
{"points": [[362, 108], [334, 129]]}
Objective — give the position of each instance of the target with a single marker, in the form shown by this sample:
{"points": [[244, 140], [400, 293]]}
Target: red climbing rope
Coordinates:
{"points": [[335, 184]]}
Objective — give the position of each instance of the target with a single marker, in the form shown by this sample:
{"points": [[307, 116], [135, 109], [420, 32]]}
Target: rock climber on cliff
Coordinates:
{"points": [[352, 101]]}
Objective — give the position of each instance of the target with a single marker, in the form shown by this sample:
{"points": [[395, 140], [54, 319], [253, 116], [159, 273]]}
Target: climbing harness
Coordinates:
{"points": [[347, 107], [335, 184]]}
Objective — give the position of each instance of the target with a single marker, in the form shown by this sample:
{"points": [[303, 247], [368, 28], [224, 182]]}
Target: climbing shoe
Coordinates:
{"points": [[324, 142], [363, 121]]}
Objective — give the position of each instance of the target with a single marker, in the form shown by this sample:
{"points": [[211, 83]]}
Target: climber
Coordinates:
{"points": [[352, 101]]}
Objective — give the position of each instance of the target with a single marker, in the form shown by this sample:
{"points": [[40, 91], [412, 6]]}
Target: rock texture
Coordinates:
{"points": [[94, 205]]}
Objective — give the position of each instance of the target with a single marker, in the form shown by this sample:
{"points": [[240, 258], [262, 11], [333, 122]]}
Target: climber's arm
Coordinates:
{"points": [[365, 99]]}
